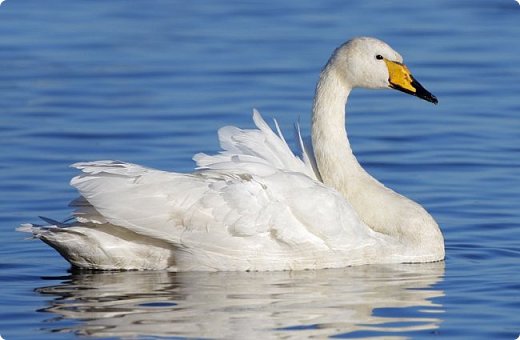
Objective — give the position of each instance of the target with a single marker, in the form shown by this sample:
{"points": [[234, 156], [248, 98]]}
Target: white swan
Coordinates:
{"points": [[256, 206]]}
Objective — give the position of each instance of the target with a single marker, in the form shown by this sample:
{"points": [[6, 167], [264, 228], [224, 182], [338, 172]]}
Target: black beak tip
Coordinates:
{"points": [[433, 99], [422, 93]]}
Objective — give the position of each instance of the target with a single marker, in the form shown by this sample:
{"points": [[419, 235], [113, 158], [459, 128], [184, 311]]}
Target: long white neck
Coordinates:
{"points": [[337, 164], [380, 208], [335, 160]]}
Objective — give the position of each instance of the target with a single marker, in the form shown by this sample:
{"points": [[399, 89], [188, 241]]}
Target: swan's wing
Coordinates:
{"points": [[286, 206], [242, 148], [254, 206]]}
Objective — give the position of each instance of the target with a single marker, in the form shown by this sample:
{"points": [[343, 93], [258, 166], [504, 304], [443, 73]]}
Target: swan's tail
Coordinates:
{"points": [[102, 247]]}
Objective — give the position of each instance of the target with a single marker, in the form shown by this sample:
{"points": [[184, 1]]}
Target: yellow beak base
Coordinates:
{"points": [[401, 79]]}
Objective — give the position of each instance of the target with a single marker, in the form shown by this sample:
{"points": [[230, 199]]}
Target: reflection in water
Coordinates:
{"points": [[366, 301]]}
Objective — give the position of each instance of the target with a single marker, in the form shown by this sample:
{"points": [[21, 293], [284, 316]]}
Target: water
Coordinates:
{"points": [[151, 81]]}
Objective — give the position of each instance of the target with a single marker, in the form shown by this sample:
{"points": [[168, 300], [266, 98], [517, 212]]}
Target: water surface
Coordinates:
{"points": [[151, 81]]}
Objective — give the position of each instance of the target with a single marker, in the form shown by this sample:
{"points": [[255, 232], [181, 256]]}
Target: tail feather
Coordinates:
{"points": [[106, 248]]}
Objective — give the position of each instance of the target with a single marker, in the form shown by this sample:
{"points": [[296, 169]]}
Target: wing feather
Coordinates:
{"points": [[261, 146]]}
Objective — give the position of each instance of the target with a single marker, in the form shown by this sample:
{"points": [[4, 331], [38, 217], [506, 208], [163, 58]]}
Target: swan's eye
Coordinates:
{"points": [[379, 57]]}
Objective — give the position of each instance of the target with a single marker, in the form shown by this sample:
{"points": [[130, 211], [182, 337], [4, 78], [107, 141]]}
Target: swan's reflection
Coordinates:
{"points": [[368, 300]]}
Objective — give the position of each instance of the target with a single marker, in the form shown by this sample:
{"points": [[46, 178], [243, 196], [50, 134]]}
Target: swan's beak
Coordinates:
{"points": [[401, 79]]}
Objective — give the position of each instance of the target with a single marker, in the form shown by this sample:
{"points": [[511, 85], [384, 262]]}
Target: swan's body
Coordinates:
{"points": [[256, 206]]}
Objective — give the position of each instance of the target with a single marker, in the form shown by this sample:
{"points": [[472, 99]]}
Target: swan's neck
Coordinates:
{"points": [[336, 162], [380, 208]]}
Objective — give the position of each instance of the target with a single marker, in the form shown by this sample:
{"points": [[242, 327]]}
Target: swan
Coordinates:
{"points": [[256, 206]]}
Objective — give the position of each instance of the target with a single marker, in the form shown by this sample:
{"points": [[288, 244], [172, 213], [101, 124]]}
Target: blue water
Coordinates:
{"points": [[151, 81]]}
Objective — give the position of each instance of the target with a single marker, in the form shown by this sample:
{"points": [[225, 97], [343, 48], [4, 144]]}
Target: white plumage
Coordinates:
{"points": [[256, 205]]}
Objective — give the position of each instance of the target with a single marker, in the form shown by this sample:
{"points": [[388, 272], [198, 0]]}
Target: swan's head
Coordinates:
{"points": [[371, 63]]}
